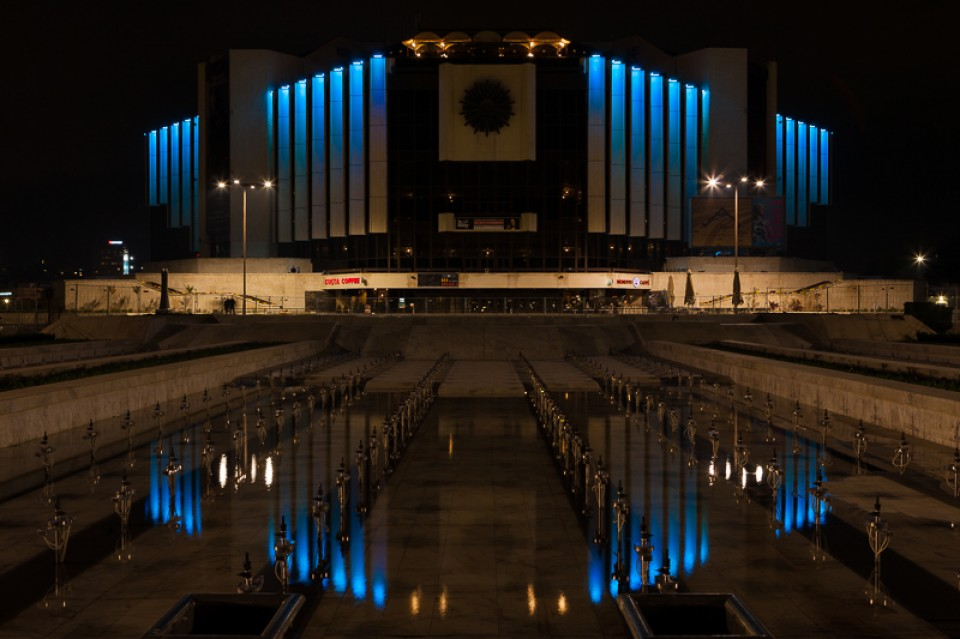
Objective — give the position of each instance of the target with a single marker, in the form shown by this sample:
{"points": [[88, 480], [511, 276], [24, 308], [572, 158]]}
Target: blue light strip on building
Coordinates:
{"points": [[824, 166], [814, 164], [638, 152], [175, 176], [790, 171], [195, 183], [778, 165], [691, 157], [618, 150], [596, 145], [152, 162], [803, 149], [186, 173], [162, 190], [704, 126], [657, 170], [357, 176], [284, 185], [318, 158], [301, 231], [378, 145], [674, 190], [338, 226]]}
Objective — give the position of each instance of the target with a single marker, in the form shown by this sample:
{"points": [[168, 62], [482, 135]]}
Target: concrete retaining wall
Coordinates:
{"points": [[25, 414], [37, 355], [939, 353], [880, 364], [920, 412]]}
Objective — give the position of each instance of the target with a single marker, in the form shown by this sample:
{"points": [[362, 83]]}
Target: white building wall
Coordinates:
{"points": [[252, 73], [723, 72]]}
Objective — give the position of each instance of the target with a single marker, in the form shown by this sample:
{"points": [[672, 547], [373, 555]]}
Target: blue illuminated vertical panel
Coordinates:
{"points": [[357, 178], [378, 145], [657, 169], [271, 110], [618, 149], [802, 149], [674, 164], [338, 226], [638, 152], [301, 231], [790, 171], [195, 184], [705, 124], [284, 182], [152, 163], [186, 146], [814, 164], [596, 145], [163, 188], [824, 166], [778, 163], [691, 157], [318, 158], [175, 175]]}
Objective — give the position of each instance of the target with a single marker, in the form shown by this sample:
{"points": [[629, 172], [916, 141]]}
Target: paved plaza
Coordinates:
{"points": [[474, 532]]}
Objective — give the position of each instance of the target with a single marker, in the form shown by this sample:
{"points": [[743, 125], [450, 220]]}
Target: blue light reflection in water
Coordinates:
{"points": [[281, 481], [659, 484], [596, 573], [673, 495]]}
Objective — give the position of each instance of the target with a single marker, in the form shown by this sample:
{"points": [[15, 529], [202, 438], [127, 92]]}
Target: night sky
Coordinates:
{"points": [[83, 82]]}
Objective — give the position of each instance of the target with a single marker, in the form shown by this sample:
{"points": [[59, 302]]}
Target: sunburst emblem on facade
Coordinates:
{"points": [[486, 107]]}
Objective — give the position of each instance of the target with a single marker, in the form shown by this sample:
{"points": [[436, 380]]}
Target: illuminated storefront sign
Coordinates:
{"points": [[635, 282], [350, 280]]}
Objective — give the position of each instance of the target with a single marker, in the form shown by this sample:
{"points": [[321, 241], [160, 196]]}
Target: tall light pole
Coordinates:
{"points": [[243, 187], [920, 260]]}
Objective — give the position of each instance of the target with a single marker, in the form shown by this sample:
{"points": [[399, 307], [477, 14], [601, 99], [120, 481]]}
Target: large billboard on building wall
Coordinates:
{"points": [[762, 222]]}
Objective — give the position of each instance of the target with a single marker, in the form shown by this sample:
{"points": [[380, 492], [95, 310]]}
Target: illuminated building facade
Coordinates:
{"points": [[484, 152]]}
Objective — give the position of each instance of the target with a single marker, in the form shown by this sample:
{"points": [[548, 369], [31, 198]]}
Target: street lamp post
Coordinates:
{"points": [[244, 186], [714, 183], [920, 260]]}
